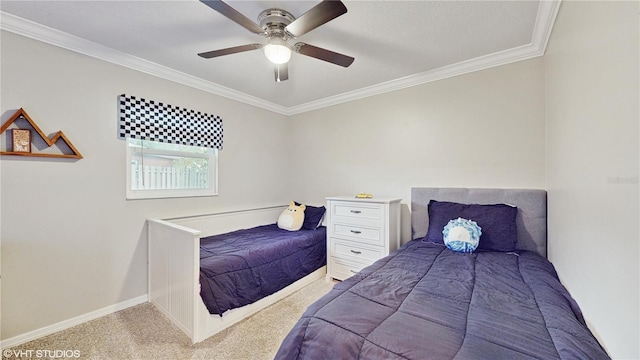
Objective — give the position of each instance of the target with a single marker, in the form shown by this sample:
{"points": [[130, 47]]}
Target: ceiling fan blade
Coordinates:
{"points": [[282, 72], [234, 15], [324, 54], [228, 51], [320, 14]]}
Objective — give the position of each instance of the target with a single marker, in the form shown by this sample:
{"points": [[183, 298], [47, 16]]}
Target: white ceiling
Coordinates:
{"points": [[395, 43]]}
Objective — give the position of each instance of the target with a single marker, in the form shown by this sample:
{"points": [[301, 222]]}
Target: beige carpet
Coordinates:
{"points": [[142, 332]]}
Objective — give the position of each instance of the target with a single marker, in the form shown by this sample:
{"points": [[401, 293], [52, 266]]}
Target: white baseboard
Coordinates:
{"points": [[63, 325]]}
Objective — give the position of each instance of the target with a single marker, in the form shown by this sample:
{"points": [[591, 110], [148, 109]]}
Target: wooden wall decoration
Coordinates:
{"points": [[59, 136]]}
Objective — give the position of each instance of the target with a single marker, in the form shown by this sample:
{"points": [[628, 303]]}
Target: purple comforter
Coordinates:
{"points": [[243, 266], [427, 302]]}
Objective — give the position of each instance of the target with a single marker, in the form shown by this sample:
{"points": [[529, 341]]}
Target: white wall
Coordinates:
{"points": [[71, 244], [484, 129], [592, 165]]}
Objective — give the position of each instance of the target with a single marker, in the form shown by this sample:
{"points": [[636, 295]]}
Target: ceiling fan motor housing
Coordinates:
{"points": [[274, 21]]}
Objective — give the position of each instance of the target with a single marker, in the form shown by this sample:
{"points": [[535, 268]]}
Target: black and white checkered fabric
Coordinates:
{"points": [[149, 120]]}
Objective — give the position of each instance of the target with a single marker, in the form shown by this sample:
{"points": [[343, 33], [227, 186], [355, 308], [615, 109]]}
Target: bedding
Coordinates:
{"points": [[498, 222], [243, 266], [312, 216], [425, 301]]}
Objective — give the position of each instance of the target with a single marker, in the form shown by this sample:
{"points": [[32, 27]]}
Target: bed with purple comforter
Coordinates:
{"points": [[428, 302], [425, 301], [243, 266]]}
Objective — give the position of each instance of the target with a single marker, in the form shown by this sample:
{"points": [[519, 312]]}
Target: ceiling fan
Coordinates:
{"points": [[279, 26]]}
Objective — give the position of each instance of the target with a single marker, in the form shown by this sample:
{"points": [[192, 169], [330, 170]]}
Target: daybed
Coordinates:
{"points": [[425, 301], [237, 272]]}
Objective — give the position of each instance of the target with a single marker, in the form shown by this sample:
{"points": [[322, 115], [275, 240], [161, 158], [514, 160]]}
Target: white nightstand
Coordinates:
{"points": [[359, 232]]}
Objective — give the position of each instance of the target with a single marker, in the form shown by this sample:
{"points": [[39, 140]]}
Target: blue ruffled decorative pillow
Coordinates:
{"points": [[462, 235], [498, 223]]}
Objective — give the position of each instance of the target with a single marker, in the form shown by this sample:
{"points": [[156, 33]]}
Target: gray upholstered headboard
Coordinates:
{"points": [[532, 211]]}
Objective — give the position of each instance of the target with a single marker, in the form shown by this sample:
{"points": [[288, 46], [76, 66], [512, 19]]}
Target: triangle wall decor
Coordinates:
{"points": [[49, 141]]}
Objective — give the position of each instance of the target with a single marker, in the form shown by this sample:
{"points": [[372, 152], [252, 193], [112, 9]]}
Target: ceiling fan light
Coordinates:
{"points": [[277, 51]]}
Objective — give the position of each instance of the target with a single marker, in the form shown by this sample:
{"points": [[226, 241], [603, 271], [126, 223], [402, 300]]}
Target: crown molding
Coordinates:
{"points": [[547, 11], [464, 67], [33, 30]]}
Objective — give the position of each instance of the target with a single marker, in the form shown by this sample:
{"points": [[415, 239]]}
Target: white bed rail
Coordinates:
{"points": [[174, 268], [174, 260]]}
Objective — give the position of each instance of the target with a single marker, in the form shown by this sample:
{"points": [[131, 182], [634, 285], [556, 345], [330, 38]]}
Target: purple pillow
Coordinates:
{"points": [[312, 216], [498, 223]]}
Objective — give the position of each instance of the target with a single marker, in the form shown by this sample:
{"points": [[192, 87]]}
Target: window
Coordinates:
{"points": [[171, 151], [162, 170]]}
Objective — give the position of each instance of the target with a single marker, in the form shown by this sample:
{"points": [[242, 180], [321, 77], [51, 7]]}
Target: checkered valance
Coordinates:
{"points": [[149, 120]]}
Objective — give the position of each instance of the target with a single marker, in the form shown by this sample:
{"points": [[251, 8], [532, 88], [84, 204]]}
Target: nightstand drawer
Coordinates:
{"points": [[355, 212], [351, 250], [366, 235], [342, 269]]}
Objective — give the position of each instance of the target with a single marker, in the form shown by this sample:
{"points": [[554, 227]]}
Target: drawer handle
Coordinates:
{"points": [[356, 211], [356, 231], [356, 252], [353, 271]]}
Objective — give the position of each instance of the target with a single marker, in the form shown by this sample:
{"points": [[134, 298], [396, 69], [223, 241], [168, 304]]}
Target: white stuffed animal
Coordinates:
{"points": [[292, 217]]}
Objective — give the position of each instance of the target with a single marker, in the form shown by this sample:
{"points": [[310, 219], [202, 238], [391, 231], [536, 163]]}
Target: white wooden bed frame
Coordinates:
{"points": [[174, 269]]}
